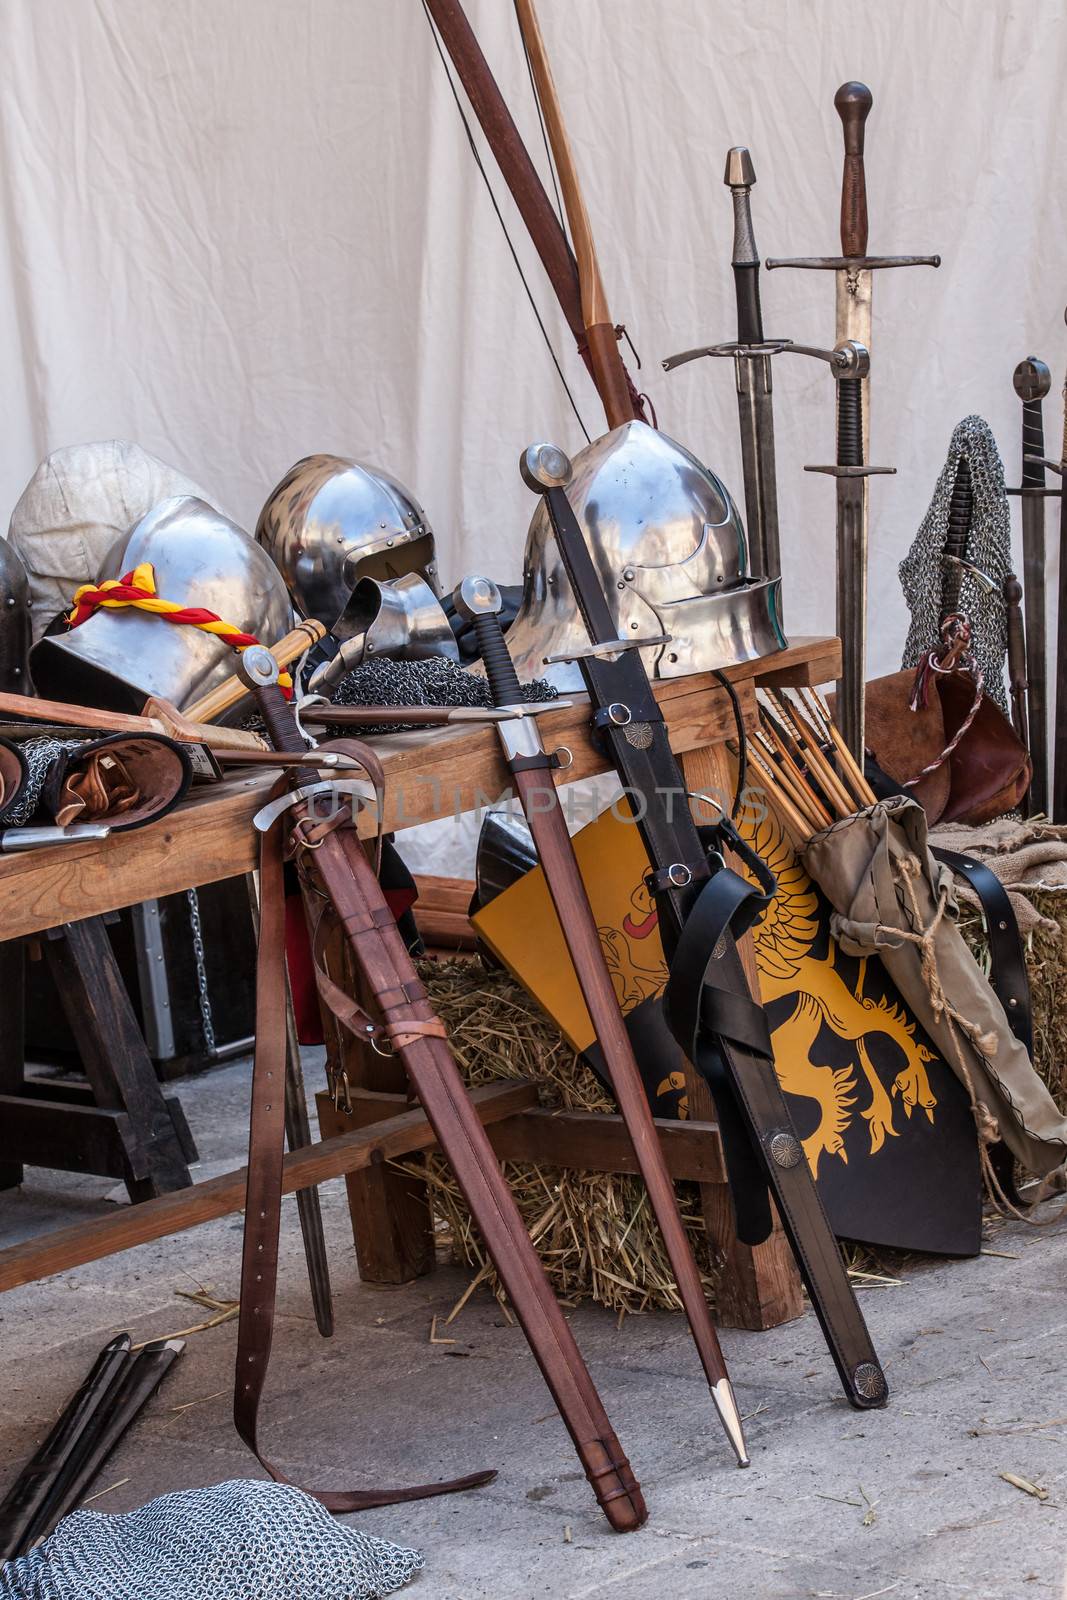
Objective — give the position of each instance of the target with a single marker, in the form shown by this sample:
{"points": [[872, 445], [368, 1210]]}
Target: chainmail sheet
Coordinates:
{"points": [[41, 756], [988, 549], [436, 681], [242, 1540]]}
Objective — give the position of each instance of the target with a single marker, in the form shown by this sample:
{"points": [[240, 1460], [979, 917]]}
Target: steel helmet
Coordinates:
{"points": [[670, 549], [332, 521], [118, 659]]}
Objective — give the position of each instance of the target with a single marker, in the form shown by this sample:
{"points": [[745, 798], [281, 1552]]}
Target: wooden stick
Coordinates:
{"points": [[211, 706], [34, 709], [169, 720], [609, 373], [60, 1249]]}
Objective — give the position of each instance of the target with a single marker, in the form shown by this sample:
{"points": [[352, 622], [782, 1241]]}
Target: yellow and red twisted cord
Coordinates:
{"points": [[137, 589]]}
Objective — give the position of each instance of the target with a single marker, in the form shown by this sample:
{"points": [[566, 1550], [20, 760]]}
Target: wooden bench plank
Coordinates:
{"points": [[65, 1248]]}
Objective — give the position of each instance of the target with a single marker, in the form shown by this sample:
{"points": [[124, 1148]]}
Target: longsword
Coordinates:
{"points": [[1059, 765], [854, 273], [755, 403], [478, 600], [1032, 381]]}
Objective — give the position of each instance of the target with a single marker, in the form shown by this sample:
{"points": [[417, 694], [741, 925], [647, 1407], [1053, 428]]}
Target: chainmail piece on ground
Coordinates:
{"points": [[988, 549], [433, 682], [41, 756], [242, 1540]]}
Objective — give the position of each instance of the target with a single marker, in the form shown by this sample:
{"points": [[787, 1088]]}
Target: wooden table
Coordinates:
{"points": [[429, 774]]}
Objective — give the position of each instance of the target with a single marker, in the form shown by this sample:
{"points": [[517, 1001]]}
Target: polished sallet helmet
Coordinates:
{"points": [[670, 549], [332, 521], [117, 659]]}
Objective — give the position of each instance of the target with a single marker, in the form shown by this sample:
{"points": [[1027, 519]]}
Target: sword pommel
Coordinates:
{"points": [[740, 173], [476, 597], [739, 177], [478, 601], [256, 667], [1032, 380], [545, 466], [853, 102]]}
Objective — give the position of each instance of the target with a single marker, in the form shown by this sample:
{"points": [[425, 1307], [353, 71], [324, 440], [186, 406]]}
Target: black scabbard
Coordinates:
{"points": [[71, 1434], [710, 1008]]}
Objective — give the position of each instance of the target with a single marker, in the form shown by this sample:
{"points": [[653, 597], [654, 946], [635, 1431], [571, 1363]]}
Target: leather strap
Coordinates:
{"points": [[259, 1264], [700, 1014], [1008, 976]]}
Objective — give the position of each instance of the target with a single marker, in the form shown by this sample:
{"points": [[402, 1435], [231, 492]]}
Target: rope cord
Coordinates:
{"points": [[137, 590]]}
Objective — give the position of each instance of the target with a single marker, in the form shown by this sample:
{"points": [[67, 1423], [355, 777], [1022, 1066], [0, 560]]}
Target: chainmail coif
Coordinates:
{"points": [[988, 549], [41, 756], [242, 1540]]}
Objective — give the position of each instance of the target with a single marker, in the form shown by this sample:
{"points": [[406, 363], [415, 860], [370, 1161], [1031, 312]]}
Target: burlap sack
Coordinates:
{"points": [[888, 892]]}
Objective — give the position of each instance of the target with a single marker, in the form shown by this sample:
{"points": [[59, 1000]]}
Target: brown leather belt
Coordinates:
{"points": [[333, 860]]}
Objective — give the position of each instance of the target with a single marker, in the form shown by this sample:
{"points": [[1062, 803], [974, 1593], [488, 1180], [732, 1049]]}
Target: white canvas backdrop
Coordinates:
{"points": [[238, 233]]}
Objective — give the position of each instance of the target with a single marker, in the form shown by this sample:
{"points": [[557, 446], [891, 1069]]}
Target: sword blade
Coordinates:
{"points": [[1033, 519], [852, 609], [755, 409]]}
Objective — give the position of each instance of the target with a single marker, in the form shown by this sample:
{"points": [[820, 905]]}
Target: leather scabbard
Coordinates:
{"points": [[259, 1263]]}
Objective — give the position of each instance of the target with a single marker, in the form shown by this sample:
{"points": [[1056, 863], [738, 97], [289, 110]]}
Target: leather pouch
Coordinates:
{"points": [[123, 779]]}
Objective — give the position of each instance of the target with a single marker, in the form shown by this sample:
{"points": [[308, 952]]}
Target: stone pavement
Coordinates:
{"points": [[910, 1502]]}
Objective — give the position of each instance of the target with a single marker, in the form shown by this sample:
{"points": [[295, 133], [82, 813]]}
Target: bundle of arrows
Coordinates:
{"points": [[800, 758]]}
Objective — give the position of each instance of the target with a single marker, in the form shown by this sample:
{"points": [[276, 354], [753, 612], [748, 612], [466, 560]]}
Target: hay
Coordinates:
{"points": [[593, 1231]]}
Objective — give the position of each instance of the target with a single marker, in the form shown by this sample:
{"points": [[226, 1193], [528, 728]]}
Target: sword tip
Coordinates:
{"points": [[726, 1405]]}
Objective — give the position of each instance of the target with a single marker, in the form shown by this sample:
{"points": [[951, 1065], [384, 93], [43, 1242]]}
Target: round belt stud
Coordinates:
{"points": [[785, 1150], [868, 1380]]}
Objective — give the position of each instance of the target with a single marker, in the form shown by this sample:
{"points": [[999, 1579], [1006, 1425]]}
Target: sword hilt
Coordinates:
{"points": [[258, 671], [1032, 381], [739, 177], [478, 601], [853, 102], [960, 513], [850, 422]]}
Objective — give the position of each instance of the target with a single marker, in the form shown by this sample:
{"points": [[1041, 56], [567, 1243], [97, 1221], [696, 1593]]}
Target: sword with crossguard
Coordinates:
{"points": [[755, 403], [702, 911], [1032, 381], [478, 600], [854, 271]]}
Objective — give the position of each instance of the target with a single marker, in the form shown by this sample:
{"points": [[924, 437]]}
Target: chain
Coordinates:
{"points": [[201, 972]]}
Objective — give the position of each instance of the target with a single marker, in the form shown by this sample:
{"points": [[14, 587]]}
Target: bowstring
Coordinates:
{"points": [[540, 118], [500, 218]]}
